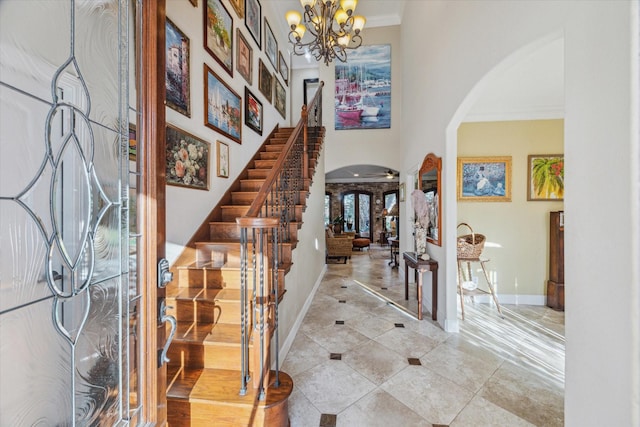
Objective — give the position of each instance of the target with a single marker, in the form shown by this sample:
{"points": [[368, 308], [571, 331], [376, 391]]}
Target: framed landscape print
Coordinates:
{"points": [[252, 111], [187, 160], [222, 159], [238, 6], [244, 59], [280, 99], [484, 179], [218, 34], [270, 45], [265, 80], [253, 20], [545, 177], [284, 68], [177, 69], [222, 106]]}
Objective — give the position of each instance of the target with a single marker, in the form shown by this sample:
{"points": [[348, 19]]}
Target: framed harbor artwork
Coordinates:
{"points": [[222, 105], [363, 89], [177, 69]]}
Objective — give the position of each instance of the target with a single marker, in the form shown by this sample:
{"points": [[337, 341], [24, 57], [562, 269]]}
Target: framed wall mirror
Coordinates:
{"points": [[429, 181]]}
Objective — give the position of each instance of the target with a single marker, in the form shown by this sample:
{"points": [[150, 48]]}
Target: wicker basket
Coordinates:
{"points": [[470, 245]]}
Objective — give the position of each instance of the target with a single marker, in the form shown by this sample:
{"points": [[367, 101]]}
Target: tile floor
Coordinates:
{"points": [[358, 361]]}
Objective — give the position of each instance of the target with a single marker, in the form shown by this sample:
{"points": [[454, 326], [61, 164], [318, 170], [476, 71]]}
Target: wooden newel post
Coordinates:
{"points": [[305, 146]]}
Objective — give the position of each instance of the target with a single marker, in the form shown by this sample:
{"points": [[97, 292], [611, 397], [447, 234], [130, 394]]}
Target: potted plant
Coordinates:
{"points": [[338, 224]]}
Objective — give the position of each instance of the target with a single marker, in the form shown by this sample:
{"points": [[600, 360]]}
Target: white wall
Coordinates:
{"points": [[187, 208], [459, 44]]}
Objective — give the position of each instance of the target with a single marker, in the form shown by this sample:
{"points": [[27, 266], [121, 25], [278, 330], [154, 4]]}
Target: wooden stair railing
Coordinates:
{"points": [[268, 222]]}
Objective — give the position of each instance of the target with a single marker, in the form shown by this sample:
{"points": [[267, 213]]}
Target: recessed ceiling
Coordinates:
{"points": [[362, 173]]}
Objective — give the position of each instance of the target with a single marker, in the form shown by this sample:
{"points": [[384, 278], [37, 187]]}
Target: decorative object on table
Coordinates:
{"points": [[270, 45], [218, 34], [421, 222], [332, 26], [363, 89], [283, 68], [253, 20], [252, 111], [265, 80], [470, 246], [484, 179], [244, 57], [177, 69], [222, 159], [280, 98], [187, 160], [222, 105], [545, 177]]}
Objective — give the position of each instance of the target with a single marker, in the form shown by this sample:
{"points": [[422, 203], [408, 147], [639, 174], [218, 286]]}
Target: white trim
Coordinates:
{"points": [[286, 346], [550, 113], [450, 325]]}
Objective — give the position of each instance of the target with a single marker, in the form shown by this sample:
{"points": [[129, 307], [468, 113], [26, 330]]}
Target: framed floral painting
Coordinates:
{"points": [[484, 179], [218, 34], [222, 106], [545, 177], [187, 160], [222, 159]]}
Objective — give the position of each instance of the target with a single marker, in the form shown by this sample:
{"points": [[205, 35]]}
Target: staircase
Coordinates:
{"points": [[213, 380]]}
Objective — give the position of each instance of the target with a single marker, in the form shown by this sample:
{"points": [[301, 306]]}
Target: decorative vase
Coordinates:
{"points": [[421, 240]]}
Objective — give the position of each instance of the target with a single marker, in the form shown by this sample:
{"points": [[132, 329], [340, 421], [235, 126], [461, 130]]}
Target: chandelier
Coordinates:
{"points": [[332, 25]]}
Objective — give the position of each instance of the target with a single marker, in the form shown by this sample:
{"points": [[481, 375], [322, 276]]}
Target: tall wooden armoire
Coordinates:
{"points": [[555, 284]]}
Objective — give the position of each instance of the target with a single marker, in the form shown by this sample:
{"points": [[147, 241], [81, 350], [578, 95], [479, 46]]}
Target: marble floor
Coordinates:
{"points": [[358, 361]]}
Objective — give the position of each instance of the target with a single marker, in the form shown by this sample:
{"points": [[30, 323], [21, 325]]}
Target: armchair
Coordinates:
{"points": [[338, 246]]}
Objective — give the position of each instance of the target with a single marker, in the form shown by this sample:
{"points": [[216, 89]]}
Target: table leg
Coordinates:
{"points": [[406, 280], [434, 294], [460, 279], [493, 293], [419, 295]]}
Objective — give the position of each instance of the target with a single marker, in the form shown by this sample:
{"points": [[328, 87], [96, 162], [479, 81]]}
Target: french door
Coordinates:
{"points": [[356, 211], [79, 233]]}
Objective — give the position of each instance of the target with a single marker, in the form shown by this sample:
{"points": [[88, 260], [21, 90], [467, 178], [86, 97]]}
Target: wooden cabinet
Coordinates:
{"points": [[555, 284]]}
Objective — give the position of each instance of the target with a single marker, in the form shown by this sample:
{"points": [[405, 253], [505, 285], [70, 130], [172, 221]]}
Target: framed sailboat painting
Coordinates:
{"points": [[363, 89]]}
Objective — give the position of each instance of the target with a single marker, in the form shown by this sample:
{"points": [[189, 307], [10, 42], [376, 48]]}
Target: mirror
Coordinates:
{"points": [[429, 182]]}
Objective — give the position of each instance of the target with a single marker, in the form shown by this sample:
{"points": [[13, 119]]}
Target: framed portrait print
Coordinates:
{"points": [[222, 159], [253, 20], [280, 98], [238, 6], [187, 160], [244, 57], [252, 111], [545, 177], [218, 34], [265, 80], [177, 69], [484, 179], [284, 68], [270, 45], [222, 106]]}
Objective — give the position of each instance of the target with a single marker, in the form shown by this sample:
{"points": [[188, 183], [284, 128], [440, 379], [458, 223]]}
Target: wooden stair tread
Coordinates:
{"points": [[203, 294], [208, 333], [209, 265], [222, 386]]}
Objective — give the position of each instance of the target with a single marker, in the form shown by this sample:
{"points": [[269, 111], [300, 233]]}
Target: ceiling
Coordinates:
{"points": [[531, 89]]}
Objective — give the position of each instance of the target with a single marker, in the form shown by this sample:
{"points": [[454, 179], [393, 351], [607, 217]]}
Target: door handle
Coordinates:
{"points": [[164, 317]]}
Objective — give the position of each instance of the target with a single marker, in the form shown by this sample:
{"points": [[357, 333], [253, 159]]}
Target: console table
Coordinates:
{"points": [[394, 245], [411, 259]]}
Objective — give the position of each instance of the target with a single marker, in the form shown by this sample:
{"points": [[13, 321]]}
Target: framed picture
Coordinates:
{"points": [[133, 142], [194, 3], [484, 179], [363, 98], [177, 69], [265, 80], [252, 111], [218, 34], [244, 57], [545, 177], [284, 68], [222, 159], [253, 20], [401, 192], [187, 160], [310, 88], [238, 6], [222, 105], [280, 99], [270, 45]]}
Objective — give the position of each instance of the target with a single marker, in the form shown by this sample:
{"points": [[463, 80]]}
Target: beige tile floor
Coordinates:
{"points": [[384, 368]]}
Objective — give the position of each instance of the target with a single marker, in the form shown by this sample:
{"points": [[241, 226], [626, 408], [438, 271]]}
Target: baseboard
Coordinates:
{"points": [[286, 346], [513, 299]]}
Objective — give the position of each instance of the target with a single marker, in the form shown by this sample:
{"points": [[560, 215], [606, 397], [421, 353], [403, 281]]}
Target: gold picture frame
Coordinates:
{"points": [[484, 179], [222, 159]]}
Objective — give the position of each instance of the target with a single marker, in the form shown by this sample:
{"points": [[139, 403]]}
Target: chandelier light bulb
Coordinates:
{"points": [[307, 3], [293, 18], [344, 40], [348, 6], [358, 23], [300, 30], [341, 17]]}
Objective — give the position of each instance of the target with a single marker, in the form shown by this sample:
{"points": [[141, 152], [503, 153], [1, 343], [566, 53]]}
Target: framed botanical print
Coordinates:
{"points": [[484, 179], [222, 159], [252, 111], [177, 69], [253, 20], [187, 159], [244, 57], [545, 177], [222, 106], [280, 99], [270, 45], [218, 34], [284, 68], [265, 80]]}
